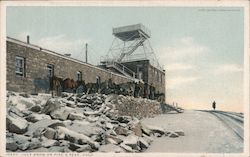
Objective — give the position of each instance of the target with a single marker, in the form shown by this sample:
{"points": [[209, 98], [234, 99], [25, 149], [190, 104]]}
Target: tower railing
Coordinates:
{"points": [[123, 69]]}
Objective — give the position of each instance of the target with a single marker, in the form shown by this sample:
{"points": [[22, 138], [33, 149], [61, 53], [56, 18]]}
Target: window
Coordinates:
{"points": [[98, 79], [158, 76], [139, 71], [79, 76], [161, 78], [20, 66], [50, 69]]}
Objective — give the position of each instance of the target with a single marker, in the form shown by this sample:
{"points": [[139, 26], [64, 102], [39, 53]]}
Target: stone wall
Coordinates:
{"points": [[36, 73], [151, 74], [157, 82]]}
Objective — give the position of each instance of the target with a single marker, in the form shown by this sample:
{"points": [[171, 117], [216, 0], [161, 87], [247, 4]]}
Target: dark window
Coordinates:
{"points": [[161, 78], [158, 76], [20, 66], [98, 79], [50, 69], [79, 76], [139, 72]]}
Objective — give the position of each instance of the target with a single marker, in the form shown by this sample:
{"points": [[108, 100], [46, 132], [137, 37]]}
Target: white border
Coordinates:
{"points": [[147, 3]]}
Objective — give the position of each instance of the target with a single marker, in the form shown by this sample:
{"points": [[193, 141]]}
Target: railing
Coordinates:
{"points": [[121, 68], [131, 49]]}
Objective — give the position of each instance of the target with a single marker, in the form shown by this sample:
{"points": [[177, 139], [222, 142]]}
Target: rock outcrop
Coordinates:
{"points": [[81, 123]]}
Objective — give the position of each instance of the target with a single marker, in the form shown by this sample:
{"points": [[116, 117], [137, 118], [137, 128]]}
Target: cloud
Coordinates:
{"points": [[62, 44], [228, 68], [180, 81], [178, 67], [182, 49]]}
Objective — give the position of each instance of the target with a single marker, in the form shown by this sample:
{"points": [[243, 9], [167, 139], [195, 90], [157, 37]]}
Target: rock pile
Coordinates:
{"points": [[79, 123]]}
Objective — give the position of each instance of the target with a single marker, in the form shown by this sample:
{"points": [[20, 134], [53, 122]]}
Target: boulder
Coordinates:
{"points": [[137, 129], [157, 134], [44, 123], [11, 144], [110, 141], [75, 116], [35, 143], [61, 113], [60, 135], [39, 150], [13, 140], [85, 128], [143, 143], [13, 110], [73, 146], [149, 129], [173, 135], [74, 137], [109, 126], [180, 132], [84, 148], [56, 124], [111, 132], [124, 119], [132, 141], [121, 131], [16, 125], [59, 149], [146, 130], [51, 105], [111, 148], [36, 108], [27, 112], [38, 133], [126, 147], [50, 133], [37, 117], [24, 95], [24, 146], [70, 103], [116, 139], [81, 105], [49, 143]]}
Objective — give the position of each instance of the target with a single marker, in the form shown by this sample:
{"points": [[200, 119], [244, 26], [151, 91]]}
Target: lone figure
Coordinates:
{"points": [[214, 105]]}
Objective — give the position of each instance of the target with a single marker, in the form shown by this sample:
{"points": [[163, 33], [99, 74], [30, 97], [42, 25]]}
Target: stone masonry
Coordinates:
{"points": [[36, 73]]}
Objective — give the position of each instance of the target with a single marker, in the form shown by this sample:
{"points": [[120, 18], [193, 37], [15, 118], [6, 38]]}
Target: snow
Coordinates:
{"points": [[204, 133]]}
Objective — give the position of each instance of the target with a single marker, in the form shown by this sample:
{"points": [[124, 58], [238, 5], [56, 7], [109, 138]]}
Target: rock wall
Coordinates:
{"points": [[136, 107]]}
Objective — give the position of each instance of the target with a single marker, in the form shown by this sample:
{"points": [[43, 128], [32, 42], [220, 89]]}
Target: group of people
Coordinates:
{"points": [[136, 89]]}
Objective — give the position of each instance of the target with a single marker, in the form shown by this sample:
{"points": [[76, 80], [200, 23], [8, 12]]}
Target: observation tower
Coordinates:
{"points": [[130, 43]]}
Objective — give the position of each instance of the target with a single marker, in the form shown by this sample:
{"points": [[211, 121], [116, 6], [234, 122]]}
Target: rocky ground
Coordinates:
{"points": [[81, 123]]}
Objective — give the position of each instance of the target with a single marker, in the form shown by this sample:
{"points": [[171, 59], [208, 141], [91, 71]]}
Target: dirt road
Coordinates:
{"points": [[204, 133]]}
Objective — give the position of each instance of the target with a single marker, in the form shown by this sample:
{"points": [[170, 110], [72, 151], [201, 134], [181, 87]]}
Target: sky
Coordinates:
{"points": [[201, 49]]}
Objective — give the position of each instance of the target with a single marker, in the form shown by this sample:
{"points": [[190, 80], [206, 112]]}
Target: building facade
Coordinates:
{"points": [[148, 74], [29, 68]]}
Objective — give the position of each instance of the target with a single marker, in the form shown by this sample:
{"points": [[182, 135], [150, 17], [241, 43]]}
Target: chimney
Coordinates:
{"points": [[86, 53], [28, 39]]}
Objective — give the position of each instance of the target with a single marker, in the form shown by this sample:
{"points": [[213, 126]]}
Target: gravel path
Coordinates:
{"points": [[204, 133]]}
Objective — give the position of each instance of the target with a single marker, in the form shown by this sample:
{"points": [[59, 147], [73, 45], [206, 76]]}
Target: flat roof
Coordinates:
{"points": [[131, 32]]}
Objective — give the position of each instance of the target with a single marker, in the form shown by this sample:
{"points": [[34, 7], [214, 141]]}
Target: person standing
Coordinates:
{"points": [[214, 105]]}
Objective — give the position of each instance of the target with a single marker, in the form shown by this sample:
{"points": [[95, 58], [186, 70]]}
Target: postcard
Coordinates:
{"points": [[125, 78]]}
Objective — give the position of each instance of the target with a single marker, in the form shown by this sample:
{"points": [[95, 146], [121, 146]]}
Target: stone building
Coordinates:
{"points": [[30, 66]]}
